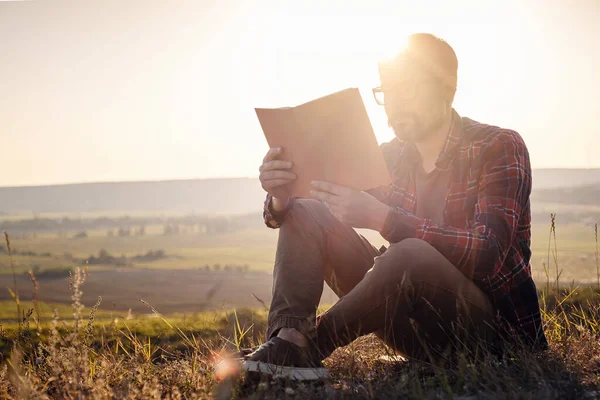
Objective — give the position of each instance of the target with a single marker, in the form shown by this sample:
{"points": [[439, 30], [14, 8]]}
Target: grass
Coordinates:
{"points": [[96, 353], [45, 311]]}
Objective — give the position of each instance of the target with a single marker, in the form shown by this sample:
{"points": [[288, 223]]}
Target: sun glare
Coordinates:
{"points": [[391, 48]]}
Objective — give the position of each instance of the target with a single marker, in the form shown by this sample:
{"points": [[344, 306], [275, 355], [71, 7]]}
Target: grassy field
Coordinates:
{"points": [[166, 346], [255, 248], [86, 353], [201, 272]]}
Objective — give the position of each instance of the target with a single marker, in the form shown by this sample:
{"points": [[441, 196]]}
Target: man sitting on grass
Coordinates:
{"points": [[456, 274]]}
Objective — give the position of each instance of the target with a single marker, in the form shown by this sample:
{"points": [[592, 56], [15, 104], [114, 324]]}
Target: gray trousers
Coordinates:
{"points": [[411, 296]]}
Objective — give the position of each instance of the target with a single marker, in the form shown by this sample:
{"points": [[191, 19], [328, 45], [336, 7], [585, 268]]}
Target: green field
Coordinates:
{"points": [[254, 249], [202, 312], [201, 272]]}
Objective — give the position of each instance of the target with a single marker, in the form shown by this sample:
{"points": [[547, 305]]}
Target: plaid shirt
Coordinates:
{"points": [[486, 231]]}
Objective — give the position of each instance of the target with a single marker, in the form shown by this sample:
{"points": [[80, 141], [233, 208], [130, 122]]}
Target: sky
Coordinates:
{"points": [[152, 90]]}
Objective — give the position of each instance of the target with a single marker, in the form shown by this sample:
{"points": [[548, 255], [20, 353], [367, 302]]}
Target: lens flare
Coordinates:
{"points": [[227, 368]]}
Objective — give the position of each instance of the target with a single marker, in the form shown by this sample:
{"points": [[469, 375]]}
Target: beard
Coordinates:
{"points": [[410, 127]]}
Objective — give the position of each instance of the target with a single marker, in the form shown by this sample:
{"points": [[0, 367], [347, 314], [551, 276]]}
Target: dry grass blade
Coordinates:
{"points": [[34, 300], [597, 260], [555, 251], [90, 325], [261, 302], [188, 341], [15, 292]]}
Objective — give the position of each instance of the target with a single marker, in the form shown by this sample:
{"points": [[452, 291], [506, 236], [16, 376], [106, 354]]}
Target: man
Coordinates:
{"points": [[457, 216]]}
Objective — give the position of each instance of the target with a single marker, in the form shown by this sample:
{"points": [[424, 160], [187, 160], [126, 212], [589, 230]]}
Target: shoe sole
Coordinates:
{"points": [[280, 371]]}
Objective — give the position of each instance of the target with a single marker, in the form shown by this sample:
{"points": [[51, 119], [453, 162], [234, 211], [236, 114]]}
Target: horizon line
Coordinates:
{"points": [[93, 182]]}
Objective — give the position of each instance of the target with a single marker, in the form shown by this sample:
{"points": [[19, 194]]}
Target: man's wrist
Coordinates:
{"points": [[279, 205]]}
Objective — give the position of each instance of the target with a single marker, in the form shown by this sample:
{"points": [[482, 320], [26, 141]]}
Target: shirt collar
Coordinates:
{"points": [[410, 155], [452, 141]]}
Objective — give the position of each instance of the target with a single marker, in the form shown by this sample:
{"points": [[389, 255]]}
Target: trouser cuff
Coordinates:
{"points": [[305, 326]]}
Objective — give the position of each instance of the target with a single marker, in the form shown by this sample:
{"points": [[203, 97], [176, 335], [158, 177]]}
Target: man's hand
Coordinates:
{"points": [[274, 177], [352, 207]]}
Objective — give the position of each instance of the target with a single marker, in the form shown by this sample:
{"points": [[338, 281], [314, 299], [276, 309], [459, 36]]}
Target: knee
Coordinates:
{"points": [[308, 210], [306, 214], [312, 205], [407, 250], [405, 257]]}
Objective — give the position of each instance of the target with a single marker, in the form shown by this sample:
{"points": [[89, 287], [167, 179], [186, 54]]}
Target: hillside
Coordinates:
{"points": [[588, 195], [550, 178], [235, 195]]}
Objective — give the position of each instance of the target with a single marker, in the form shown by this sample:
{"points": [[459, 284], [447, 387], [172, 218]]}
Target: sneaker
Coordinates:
{"points": [[241, 353], [282, 359]]}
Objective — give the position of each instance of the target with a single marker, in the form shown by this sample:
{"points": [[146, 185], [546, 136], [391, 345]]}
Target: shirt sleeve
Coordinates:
{"points": [[504, 189], [273, 219], [381, 193]]}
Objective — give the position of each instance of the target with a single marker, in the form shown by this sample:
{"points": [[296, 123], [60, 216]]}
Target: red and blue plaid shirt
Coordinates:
{"points": [[486, 231]]}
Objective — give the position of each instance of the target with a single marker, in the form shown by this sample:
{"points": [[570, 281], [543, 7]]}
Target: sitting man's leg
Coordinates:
{"points": [[411, 286], [313, 247]]}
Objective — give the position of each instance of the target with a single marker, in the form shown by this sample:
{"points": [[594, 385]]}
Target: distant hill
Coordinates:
{"points": [[235, 195], [564, 178], [588, 195]]}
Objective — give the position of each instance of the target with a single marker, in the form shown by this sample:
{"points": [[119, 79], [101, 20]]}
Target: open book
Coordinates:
{"points": [[329, 139]]}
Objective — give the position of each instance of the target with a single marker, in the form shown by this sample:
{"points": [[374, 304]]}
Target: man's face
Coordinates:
{"points": [[414, 102]]}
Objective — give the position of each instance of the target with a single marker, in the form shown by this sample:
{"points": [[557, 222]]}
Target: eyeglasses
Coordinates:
{"points": [[405, 90]]}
